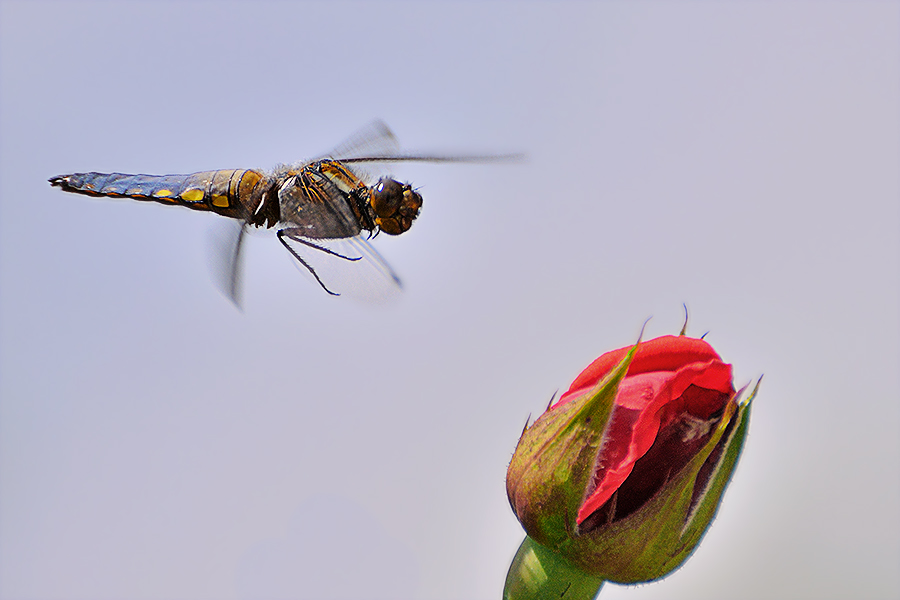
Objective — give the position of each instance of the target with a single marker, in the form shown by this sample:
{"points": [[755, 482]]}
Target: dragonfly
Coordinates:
{"points": [[311, 204]]}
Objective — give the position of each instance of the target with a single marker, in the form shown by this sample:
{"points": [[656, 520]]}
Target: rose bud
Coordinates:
{"points": [[620, 478]]}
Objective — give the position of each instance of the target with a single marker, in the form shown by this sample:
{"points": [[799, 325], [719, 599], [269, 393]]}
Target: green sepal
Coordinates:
{"points": [[537, 573], [722, 464], [554, 460]]}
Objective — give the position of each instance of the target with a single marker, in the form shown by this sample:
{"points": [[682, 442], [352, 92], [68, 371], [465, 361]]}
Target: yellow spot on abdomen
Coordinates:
{"points": [[220, 201], [162, 193], [194, 195]]}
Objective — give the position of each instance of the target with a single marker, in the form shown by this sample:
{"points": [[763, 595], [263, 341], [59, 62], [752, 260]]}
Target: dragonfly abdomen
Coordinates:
{"points": [[235, 193]]}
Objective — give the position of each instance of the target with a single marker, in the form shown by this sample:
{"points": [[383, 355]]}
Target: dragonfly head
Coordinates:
{"points": [[396, 205]]}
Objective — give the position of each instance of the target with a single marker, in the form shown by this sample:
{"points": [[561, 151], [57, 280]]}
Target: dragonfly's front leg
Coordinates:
{"points": [[296, 234]]}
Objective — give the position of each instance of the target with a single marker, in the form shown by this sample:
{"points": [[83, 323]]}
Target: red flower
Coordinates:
{"points": [[672, 382], [621, 478]]}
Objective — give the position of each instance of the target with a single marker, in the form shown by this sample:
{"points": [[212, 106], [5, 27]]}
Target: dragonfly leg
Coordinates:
{"points": [[293, 235]]}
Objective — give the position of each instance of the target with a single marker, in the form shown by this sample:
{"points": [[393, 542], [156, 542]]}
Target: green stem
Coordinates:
{"points": [[537, 573]]}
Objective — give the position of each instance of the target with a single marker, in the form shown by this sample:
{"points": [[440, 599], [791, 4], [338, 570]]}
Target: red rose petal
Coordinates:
{"points": [[714, 375], [632, 430], [666, 353]]}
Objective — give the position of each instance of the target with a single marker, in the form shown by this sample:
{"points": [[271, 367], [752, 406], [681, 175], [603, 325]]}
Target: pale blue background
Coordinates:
{"points": [[743, 158]]}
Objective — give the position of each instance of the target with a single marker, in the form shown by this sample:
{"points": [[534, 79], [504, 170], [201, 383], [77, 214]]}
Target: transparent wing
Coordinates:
{"points": [[225, 261], [374, 139], [373, 148], [348, 267], [376, 143]]}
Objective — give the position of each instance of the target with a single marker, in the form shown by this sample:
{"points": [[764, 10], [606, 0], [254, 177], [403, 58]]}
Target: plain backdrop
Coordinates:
{"points": [[740, 157]]}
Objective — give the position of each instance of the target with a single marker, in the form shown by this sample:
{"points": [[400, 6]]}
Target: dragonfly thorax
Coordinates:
{"points": [[395, 205]]}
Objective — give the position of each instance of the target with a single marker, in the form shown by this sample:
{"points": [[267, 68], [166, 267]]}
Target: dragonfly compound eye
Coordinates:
{"points": [[387, 195], [407, 209]]}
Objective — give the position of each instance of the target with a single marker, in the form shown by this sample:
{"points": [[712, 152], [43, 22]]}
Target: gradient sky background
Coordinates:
{"points": [[743, 158]]}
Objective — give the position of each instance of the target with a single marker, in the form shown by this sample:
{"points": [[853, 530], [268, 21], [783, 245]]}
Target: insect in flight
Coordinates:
{"points": [[312, 204]]}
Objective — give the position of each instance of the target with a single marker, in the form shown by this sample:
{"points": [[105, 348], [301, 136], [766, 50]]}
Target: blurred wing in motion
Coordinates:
{"points": [[374, 139], [226, 258], [376, 143]]}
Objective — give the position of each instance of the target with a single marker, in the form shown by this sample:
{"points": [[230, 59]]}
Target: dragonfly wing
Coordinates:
{"points": [[376, 147], [374, 139], [345, 267], [226, 260]]}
